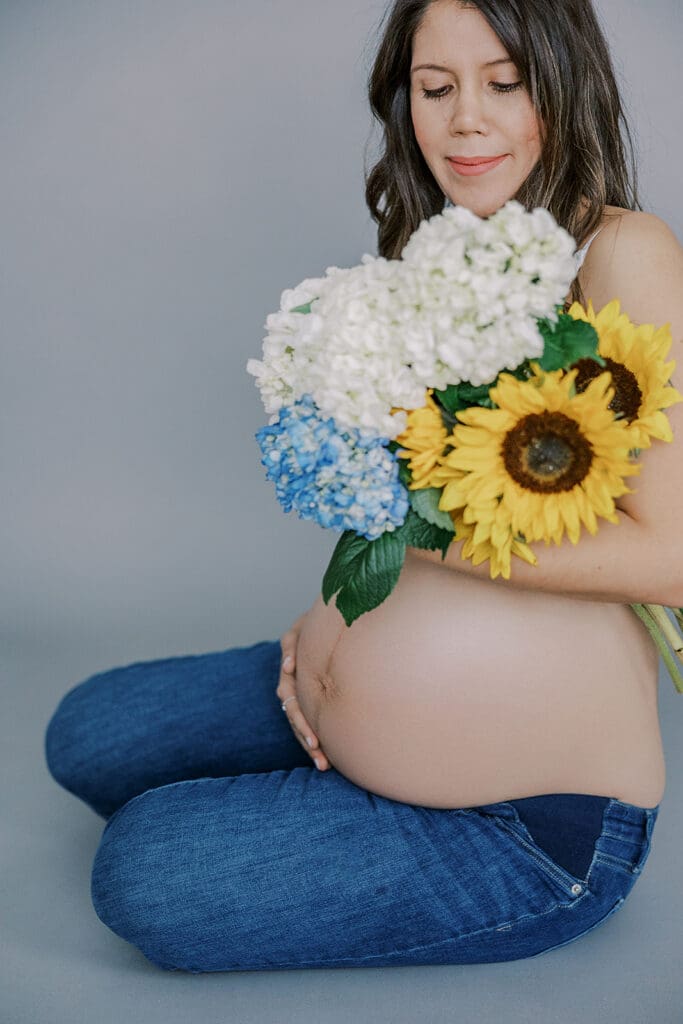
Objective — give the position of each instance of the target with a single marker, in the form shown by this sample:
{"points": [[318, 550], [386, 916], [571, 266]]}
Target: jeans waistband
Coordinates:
{"points": [[625, 833]]}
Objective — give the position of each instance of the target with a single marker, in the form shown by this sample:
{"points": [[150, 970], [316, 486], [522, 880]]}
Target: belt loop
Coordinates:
{"points": [[650, 819]]}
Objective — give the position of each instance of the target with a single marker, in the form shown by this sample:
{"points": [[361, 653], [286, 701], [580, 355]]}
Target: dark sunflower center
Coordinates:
{"points": [[627, 393], [546, 452]]}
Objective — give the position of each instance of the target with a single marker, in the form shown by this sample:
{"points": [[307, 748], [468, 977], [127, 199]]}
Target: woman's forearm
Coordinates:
{"points": [[625, 563]]}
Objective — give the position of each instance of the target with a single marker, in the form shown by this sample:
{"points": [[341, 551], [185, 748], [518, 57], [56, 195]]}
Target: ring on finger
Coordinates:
{"points": [[285, 703]]}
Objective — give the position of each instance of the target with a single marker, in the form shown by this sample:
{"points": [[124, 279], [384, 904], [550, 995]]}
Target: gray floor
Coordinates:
{"points": [[59, 963], [161, 187]]}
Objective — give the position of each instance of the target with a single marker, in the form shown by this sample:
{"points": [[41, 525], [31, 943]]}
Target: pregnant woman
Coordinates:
{"points": [[472, 771]]}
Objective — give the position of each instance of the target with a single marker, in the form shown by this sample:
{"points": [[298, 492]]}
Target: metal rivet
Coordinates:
{"points": [[576, 889]]}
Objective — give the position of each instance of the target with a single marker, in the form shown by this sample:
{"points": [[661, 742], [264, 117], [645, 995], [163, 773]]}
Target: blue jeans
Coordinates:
{"points": [[225, 849]]}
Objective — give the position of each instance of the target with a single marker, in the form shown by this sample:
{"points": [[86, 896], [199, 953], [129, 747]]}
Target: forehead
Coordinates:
{"points": [[449, 32]]}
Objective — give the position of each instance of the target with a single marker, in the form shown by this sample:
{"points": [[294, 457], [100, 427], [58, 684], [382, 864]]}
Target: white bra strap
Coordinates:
{"points": [[581, 253]]}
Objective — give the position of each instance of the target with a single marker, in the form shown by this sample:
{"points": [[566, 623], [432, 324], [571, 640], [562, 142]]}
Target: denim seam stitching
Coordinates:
{"points": [[413, 949], [547, 865], [619, 861], [621, 838]]}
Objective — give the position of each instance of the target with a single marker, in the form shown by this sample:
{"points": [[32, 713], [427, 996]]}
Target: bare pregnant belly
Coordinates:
{"points": [[458, 691]]}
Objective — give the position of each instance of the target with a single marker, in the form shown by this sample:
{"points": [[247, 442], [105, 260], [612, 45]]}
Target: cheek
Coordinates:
{"points": [[530, 131], [428, 125], [420, 126]]}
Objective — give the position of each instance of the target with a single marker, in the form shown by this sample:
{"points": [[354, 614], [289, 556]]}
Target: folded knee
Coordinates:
{"points": [[137, 883], [68, 738], [78, 745]]}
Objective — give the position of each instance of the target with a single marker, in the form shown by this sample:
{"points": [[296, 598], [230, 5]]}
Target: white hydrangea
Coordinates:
{"points": [[275, 372], [352, 362], [460, 305]]}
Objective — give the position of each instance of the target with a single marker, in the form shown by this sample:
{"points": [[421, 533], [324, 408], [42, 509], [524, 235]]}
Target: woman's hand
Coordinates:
{"points": [[287, 688]]}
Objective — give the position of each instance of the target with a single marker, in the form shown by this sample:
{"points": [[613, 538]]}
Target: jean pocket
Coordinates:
{"points": [[570, 884]]}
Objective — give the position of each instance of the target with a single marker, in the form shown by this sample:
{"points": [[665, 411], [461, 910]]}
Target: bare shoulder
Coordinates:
{"points": [[638, 259], [621, 230]]}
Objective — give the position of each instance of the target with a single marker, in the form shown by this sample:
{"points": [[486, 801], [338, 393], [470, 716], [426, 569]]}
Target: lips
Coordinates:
{"points": [[469, 166], [472, 161]]}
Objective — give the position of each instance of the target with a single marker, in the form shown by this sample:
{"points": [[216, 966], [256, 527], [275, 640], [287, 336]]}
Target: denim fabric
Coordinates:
{"points": [[225, 849], [565, 825]]}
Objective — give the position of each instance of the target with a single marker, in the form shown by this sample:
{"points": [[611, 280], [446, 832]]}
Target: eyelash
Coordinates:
{"points": [[503, 88]]}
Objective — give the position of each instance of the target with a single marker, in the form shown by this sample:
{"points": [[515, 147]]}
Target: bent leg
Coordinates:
{"points": [[300, 868], [151, 723]]}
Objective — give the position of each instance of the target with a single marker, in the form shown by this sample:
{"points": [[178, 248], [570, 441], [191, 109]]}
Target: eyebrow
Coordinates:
{"points": [[439, 67]]}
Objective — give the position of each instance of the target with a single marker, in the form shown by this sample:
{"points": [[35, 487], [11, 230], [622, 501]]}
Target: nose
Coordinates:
{"points": [[469, 113]]}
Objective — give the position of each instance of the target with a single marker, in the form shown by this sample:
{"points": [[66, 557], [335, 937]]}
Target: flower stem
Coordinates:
{"points": [[672, 633], [644, 613]]}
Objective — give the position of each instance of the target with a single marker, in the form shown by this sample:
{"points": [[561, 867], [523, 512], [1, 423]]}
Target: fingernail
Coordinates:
{"points": [[309, 741], [316, 762], [287, 663]]}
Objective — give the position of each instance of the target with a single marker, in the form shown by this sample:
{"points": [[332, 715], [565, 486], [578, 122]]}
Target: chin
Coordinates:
{"points": [[483, 207], [486, 209], [482, 210]]}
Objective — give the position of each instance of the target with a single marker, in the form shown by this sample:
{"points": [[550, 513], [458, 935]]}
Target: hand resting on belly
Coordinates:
{"points": [[287, 688]]}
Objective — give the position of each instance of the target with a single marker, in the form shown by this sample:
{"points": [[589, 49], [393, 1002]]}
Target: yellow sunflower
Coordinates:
{"points": [[423, 441], [481, 529], [544, 461], [499, 557], [635, 356]]}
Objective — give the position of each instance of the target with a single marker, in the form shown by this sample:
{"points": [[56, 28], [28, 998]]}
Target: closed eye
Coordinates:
{"points": [[500, 87], [435, 94]]}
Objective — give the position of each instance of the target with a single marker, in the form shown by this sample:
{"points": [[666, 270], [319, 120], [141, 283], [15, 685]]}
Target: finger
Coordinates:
{"points": [[285, 687], [298, 723], [318, 757], [303, 733], [288, 658], [301, 726], [316, 754]]}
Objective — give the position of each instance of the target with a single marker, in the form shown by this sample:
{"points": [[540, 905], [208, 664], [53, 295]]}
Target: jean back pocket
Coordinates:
{"points": [[571, 885]]}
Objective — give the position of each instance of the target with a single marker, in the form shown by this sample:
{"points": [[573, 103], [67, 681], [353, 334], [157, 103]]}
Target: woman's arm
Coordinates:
{"points": [[637, 259], [624, 563]]}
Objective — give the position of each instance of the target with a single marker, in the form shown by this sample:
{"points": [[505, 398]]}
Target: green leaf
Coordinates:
{"points": [[425, 502], [461, 396], [416, 532], [404, 474], [349, 548], [566, 342], [362, 572], [449, 398], [306, 308], [471, 395]]}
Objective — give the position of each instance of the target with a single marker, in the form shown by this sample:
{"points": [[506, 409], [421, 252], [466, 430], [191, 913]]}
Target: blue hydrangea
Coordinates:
{"points": [[342, 479]]}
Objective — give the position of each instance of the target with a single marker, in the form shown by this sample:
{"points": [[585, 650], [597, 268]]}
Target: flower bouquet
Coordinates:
{"points": [[446, 396]]}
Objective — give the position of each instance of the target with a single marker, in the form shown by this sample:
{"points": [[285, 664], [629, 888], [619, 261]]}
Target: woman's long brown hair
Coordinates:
{"points": [[587, 157]]}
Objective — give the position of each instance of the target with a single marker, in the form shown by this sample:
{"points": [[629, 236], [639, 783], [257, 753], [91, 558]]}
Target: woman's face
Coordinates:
{"points": [[478, 108]]}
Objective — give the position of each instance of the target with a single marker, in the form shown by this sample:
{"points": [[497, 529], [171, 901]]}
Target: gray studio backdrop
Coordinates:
{"points": [[168, 168]]}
